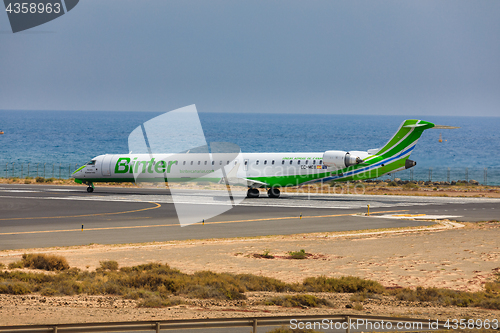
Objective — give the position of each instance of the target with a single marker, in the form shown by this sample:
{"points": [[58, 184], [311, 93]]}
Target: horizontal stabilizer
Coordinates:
{"points": [[445, 127]]}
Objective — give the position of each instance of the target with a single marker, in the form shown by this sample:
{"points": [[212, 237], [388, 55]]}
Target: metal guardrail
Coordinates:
{"points": [[253, 323]]}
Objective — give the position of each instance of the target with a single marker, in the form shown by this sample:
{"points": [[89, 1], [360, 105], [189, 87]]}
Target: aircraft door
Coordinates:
{"points": [[106, 165]]}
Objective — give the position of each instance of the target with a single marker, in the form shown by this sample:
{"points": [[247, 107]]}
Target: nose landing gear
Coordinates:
{"points": [[90, 189]]}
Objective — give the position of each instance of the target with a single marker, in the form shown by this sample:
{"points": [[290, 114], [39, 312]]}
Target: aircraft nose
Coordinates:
{"points": [[78, 172]]}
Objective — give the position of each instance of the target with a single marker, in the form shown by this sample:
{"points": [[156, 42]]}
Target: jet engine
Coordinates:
{"points": [[340, 159]]}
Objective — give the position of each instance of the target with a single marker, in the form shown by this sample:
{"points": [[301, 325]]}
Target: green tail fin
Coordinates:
{"points": [[407, 134]]}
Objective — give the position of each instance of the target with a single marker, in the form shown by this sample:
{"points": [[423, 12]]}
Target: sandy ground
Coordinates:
{"points": [[450, 256]]}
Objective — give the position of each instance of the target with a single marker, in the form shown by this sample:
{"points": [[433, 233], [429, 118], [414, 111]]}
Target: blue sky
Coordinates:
{"points": [[344, 57]]}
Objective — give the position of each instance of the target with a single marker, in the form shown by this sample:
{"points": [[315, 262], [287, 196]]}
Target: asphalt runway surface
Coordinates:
{"points": [[52, 215]]}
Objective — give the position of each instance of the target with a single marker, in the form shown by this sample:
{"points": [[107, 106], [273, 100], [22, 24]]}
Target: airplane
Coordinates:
{"points": [[260, 170]]}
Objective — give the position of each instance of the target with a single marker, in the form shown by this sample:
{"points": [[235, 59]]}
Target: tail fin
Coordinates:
{"points": [[405, 138]]}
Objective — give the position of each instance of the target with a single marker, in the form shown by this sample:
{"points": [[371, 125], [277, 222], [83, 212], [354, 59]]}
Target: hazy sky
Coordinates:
{"points": [[350, 57]]}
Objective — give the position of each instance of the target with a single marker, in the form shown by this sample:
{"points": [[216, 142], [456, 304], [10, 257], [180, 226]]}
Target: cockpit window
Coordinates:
{"points": [[91, 162]]}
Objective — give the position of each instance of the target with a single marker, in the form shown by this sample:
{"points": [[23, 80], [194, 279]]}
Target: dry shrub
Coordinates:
{"points": [[45, 262], [344, 284], [17, 264], [138, 294], [158, 302], [492, 288], [298, 254], [261, 283], [410, 186], [109, 265], [493, 303], [358, 306], [48, 292], [449, 297], [14, 288], [358, 297], [298, 301]]}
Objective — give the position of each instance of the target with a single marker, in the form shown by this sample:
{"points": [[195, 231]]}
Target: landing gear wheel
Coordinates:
{"points": [[90, 189], [273, 192], [253, 193]]}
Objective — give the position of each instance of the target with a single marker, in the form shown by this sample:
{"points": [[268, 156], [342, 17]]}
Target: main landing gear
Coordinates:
{"points": [[273, 192], [253, 193]]}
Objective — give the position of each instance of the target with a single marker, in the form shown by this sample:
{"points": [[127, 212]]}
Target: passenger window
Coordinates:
{"points": [[257, 162], [199, 162], [176, 162], [298, 162], [213, 162], [320, 162], [283, 162], [307, 161], [192, 162], [227, 163], [184, 163], [205, 162], [220, 163], [265, 161], [272, 162], [314, 161], [291, 162]]}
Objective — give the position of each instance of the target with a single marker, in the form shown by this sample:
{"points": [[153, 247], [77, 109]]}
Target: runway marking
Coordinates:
{"points": [[418, 216], [408, 215], [85, 215], [174, 225]]}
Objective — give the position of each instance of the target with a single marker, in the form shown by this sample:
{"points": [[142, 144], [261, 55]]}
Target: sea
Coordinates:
{"points": [[55, 143]]}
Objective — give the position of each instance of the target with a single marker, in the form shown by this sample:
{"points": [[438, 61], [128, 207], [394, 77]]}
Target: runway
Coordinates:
{"points": [[51, 215]]}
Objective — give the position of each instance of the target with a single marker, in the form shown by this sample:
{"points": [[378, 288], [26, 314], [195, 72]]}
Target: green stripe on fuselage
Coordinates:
{"points": [[80, 168]]}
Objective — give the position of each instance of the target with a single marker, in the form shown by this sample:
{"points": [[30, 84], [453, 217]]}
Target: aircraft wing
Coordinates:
{"points": [[233, 179], [243, 182]]}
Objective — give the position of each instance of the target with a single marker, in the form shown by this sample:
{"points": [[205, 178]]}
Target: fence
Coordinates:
{"points": [[45, 170], [485, 176], [347, 322]]}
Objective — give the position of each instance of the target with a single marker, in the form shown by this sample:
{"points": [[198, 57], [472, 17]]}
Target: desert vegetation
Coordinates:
{"points": [[302, 300], [158, 285], [41, 261]]}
